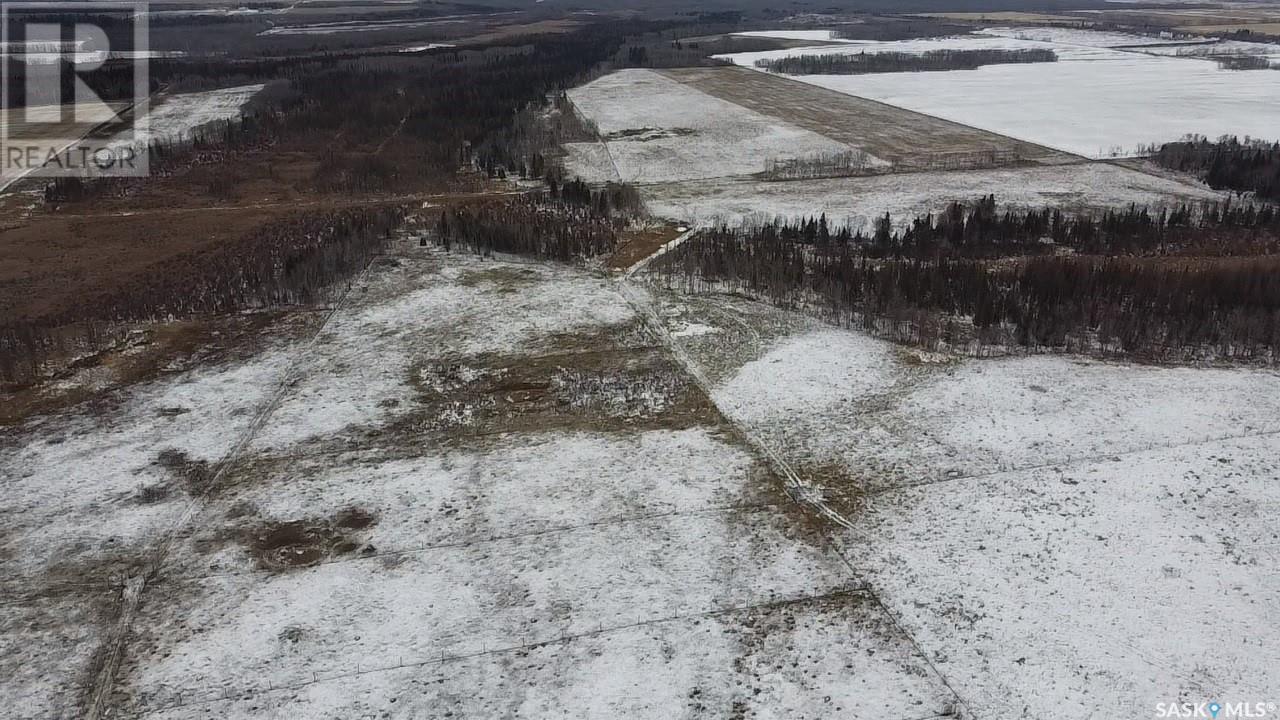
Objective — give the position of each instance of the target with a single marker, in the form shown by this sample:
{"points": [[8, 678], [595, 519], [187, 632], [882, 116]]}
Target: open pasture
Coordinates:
{"points": [[1062, 537], [859, 201], [1096, 101], [475, 488], [654, 128], [907, 140]]}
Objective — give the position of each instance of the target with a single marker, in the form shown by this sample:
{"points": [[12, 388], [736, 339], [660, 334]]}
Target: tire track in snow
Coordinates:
{"points": [[797, 488], [136, 586]]}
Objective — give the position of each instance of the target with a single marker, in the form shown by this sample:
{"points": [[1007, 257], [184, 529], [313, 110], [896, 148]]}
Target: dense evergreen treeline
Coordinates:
{"points": [[285, 262], [567, 223], [973, 291], [932, 60], [396, 123], [982, 230], [1228, 163], [1244, 62], [382, 124]]}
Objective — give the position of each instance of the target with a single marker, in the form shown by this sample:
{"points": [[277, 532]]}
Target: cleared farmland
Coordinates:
{"points": [[1062, 537], [858, 201], [1104, 98], [655, 128], [696, 140], [480, 512], [908, 140]]}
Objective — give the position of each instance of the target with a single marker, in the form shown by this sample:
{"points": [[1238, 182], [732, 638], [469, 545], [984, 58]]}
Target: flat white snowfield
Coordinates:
{"points": [[495, 489], [1108, 94], [699, 143]]}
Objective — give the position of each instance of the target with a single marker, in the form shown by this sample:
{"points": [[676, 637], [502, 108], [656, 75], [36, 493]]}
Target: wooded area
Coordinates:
{"points": [[980, 281], [290, 261], [1228, 163], [379, 127], [886, 62], [568, 223]]}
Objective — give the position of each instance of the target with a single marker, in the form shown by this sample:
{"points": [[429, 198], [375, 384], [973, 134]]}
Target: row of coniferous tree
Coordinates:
{"points": [[1228, 163], [886, 62], [288, 261], [988, 287]]}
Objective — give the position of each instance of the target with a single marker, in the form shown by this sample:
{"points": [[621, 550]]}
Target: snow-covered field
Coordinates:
{"points": [[789, 34], [858, 201], [923, 45], [657, 129], [175, 116], [494, 488], [1096, 101], [1079, 37], [480, 488], [87, 494], [1064, 538]]}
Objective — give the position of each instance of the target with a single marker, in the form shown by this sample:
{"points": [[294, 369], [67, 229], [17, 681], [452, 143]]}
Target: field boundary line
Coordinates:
{"points": [[317, 677], [586, 123], [136, 586], [800, 492], [1049, 152], [423, 549], [1076, 460], [797, 489], [662, 250]]}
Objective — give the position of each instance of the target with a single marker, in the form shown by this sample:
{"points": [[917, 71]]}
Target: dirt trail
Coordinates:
{"points": [[798, 489], [136, 586]]}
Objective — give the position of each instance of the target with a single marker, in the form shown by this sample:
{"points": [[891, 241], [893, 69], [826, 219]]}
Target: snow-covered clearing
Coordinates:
{"points": [[411, 310], [657, 129], [858, 201], [922, 45], [791, 34], [490, 488], [1083, 38], [173, 117], [1096, 101], [1062, 537], [481, 487], [87, 494]]}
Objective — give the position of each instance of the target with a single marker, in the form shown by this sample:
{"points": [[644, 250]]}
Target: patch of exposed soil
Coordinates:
{"points": [[148, 351], [506, 279], [301, 543], [839, 489], [767, 651], [630, 389], [637, 244], [193, 475]]}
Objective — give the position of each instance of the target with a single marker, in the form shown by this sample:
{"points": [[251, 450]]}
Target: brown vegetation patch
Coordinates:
{"points": [[56, 261], [826, 483], [518, 30], [194, 475], [637, 244], [840, 490], [506, 279], [769, 654], [300, 543], [907, 139], [148, 351], [609, 389]]}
